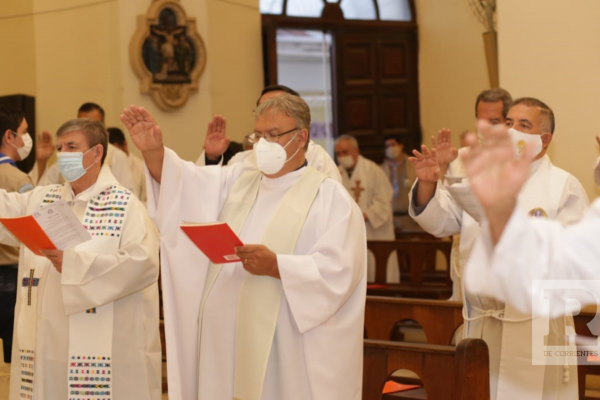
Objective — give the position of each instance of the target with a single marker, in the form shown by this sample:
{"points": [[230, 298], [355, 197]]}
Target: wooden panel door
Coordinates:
{"points": [[377, 87]]}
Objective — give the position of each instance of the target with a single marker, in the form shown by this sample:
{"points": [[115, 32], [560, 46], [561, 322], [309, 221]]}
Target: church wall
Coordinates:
{"points": [[74, 60], [550, 49], [17, 55], [68, 52], [452, 67]]}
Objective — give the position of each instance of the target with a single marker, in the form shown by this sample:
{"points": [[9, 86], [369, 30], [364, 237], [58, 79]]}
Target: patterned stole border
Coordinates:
{"points": [[27, 356], [27, 359], [90, 376]]}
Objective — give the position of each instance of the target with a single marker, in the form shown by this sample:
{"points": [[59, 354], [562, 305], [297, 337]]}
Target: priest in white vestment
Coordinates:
{"points": [[315, 155], [86, 319], [370, 188], [551, 193], [287, 321], [515, 257]]}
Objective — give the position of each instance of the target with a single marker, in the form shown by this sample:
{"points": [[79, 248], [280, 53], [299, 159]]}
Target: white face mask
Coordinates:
{"points": [[271, 157], [346, 161], [520, 140], [392, 152], [24, 151]]}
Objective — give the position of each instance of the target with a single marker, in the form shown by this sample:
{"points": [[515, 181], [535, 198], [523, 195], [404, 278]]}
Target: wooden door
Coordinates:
{"points": [[377, 87]]}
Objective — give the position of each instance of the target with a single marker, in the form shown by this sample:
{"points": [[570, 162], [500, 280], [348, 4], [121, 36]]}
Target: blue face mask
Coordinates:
{"points": [[70, 165]]}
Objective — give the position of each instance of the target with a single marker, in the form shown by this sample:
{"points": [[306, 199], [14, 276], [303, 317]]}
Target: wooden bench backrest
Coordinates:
{"points": [[438, 318], [447, 372], [414, 257]]}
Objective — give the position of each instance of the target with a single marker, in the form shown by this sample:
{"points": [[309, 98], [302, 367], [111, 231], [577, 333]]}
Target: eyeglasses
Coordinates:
{"points": [[254, 137]]}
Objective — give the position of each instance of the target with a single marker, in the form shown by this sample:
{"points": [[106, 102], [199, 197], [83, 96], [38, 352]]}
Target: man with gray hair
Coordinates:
{"points": [[549, 193], [290, 303], [371, 189], [87, 318]]}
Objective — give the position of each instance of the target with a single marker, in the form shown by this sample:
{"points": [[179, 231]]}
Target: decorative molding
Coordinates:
{"points": [[167, 54]]}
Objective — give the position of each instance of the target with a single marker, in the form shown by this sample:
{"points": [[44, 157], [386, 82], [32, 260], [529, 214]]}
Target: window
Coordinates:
{"points": [[383, 10]]}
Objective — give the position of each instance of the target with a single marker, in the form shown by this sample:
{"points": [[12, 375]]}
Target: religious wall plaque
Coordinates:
{"points": [[167, 54]]}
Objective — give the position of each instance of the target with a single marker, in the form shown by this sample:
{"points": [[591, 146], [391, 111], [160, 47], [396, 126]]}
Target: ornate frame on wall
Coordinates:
{"points": [[167, 54]]}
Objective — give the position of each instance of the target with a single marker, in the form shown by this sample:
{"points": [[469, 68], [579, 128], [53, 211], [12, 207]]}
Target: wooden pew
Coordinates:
{"points": [[446, 372], [417, 259], [438, 318]]}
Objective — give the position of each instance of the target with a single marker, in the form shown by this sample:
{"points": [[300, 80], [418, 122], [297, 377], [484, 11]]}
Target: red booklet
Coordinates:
{"points": [[216, 240], [29, 232]]}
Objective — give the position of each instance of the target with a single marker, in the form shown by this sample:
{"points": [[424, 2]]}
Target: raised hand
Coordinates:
{"points": [[496, 174], [44, 147], [446, 152], [426, 164], [216, 141], [144, 131]]}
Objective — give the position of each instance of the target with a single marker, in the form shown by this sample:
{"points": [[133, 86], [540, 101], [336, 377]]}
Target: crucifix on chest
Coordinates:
{"points": [[30, 283], [356, 191]]}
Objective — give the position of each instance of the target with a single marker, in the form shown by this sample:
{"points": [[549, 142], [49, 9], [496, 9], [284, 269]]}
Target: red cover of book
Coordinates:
{"points": [[216, 240], [29, 232]]}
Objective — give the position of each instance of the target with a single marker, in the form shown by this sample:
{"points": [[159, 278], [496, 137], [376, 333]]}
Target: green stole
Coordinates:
{"points": [[260, 296]]}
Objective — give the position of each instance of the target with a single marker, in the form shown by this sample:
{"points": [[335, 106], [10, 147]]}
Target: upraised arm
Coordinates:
{"points": [[446, 152], [216, 141], [44, 150], [427, 170], [147, 136]]}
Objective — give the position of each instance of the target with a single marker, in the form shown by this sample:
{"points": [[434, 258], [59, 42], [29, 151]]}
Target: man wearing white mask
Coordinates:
{"points": [[549, 193], [286, 321], [214, 153], [401, 175], [369, 186], [87, 318], [15, 146]]}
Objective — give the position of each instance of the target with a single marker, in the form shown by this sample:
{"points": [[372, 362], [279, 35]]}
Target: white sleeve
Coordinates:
{"points": [[91, 279], [380, 210], [316, 285], [533, 250], [441, 216], [574, 202]]}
